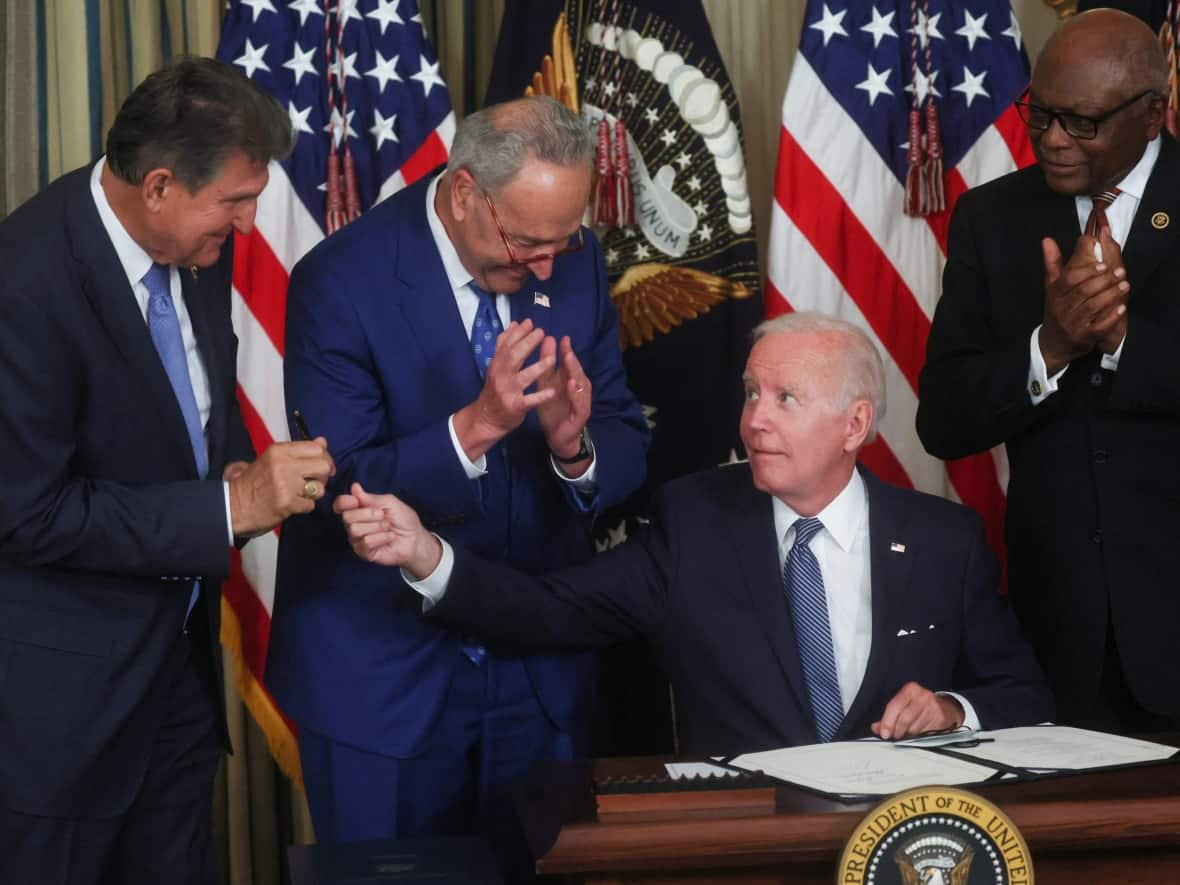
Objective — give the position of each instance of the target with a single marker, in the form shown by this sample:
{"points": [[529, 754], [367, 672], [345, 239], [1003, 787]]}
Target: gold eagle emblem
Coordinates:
{"points": [[656, 298]]}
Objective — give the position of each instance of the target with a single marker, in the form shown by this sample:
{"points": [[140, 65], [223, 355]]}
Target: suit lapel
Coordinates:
{"points": [[429, 307], [752, 534], [1148, 243], [1054, 215], [106, 287], [889, 575]]}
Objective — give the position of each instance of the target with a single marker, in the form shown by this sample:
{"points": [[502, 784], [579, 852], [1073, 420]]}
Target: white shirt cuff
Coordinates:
{"points": [[229, 517], [587, 483], [434, 586], [1040, 385], [970, 719], [474, 470], [1111, 360]]}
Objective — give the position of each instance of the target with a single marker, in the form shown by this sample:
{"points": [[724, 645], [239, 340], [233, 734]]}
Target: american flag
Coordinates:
{"points": [[840, 241], [391, 123]]}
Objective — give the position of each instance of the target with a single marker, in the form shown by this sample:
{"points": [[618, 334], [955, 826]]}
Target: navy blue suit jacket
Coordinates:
{"points": [[103, 522], [703, 586], [377, 359]]}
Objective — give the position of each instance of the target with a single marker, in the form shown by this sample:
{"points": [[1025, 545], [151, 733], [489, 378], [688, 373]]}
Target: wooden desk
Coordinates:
{"points": [[1108, 827]]}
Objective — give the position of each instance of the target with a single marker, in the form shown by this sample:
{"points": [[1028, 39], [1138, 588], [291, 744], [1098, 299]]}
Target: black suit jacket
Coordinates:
{"points": [[104, 524], [702, 584], [1093, 494]]}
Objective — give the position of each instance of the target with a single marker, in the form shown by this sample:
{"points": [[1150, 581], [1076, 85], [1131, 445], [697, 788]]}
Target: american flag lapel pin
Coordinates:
{"points": [[540, 298], [896, 547]]}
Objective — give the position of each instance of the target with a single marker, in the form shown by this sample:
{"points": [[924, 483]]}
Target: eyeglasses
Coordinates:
{"points": [[1077, 125], [573, 244]]}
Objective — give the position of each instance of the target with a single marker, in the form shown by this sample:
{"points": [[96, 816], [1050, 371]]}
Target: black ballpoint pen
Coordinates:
{"points": [[301, 424]]}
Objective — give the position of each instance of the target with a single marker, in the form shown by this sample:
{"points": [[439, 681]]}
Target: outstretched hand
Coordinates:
{"points": [[385, 530]]}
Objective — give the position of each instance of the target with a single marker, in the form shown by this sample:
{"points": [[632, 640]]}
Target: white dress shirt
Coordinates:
{"points": [[844, 555], [1119, 216], [136, 262], [843, 552], [468, 303]]}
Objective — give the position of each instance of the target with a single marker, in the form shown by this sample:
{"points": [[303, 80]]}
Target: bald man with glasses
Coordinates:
{"points": [[458, 345], [1058, 336]]}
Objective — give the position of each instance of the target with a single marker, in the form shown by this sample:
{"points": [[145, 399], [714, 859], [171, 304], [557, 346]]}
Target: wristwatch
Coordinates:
{"points": [[585, 450]]}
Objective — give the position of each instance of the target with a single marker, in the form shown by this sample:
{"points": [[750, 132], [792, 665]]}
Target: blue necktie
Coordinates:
{"points": [[804, 584], [164, 327], [484, 332], [485, 329]]}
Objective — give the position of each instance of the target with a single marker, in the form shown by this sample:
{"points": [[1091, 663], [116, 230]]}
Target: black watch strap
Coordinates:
{"points": [[585, 450]]}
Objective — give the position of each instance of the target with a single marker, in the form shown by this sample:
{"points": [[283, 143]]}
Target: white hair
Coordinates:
{"points": [[493, 144], [861, 370]]}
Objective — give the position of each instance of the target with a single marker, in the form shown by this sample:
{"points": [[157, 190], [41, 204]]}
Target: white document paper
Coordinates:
{"points": [[678, 770], [1061, 748], [862, 768]]}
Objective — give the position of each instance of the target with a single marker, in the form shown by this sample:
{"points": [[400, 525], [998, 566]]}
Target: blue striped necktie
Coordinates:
{"points": [[804, 584]]}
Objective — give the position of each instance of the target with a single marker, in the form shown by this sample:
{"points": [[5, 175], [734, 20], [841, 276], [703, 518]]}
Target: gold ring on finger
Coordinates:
{"points": [[312, 489]]}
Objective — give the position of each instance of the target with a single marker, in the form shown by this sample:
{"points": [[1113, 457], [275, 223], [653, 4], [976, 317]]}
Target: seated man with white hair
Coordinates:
{"points": [[792, 599]]}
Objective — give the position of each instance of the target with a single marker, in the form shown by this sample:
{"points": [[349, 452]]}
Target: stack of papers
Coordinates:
{"points": [[847, 769]]}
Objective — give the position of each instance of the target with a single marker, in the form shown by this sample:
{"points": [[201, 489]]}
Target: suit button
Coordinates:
{"points": [[1096, 378], [1100, 456], [1097, 536]]}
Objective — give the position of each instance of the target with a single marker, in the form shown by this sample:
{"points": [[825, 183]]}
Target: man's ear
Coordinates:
{"points": [[1156, 115], [860, 422], [156, 187], [464, 192]]}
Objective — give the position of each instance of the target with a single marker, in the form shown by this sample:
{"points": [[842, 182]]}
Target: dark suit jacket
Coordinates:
{"points": [[1093, 494], [377, 359], [703, 585], [103, 521]]}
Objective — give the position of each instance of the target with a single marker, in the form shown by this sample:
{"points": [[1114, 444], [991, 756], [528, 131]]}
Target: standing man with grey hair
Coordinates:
{"points": [[127, 476], [791, 600], [458, 345]]}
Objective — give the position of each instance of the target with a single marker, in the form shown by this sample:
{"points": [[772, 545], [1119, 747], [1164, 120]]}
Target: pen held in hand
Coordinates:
{"points": [[300, 425]]}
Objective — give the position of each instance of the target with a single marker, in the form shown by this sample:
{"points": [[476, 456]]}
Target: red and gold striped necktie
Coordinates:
{"points": [[1097, 219]]}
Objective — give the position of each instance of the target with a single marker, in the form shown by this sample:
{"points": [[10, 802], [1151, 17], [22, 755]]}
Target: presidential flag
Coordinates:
{"points": [[371, 114], [894, 107]]}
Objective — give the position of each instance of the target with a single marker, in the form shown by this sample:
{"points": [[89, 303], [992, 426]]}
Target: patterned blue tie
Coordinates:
{"points": [[813, 634], [485, 329], [164, 327]]}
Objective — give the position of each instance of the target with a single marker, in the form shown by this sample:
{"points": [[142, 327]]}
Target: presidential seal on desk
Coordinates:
{"points": [[935, 836]]}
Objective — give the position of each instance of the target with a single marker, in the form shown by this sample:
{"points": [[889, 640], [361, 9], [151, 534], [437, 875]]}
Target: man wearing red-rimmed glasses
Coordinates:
{"points": [[458, 346]]}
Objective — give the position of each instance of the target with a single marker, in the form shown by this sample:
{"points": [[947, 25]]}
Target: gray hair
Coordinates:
{"points": [[494, 143], [190, 117], [861, 369]]}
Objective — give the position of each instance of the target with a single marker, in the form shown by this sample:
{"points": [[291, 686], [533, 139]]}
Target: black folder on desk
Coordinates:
{"points": [[443, 860]]}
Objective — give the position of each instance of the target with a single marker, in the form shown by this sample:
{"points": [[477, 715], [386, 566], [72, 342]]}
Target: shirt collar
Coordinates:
{"points": [[457, 275], [843, 518], [132, 257], [1135, 181]]}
